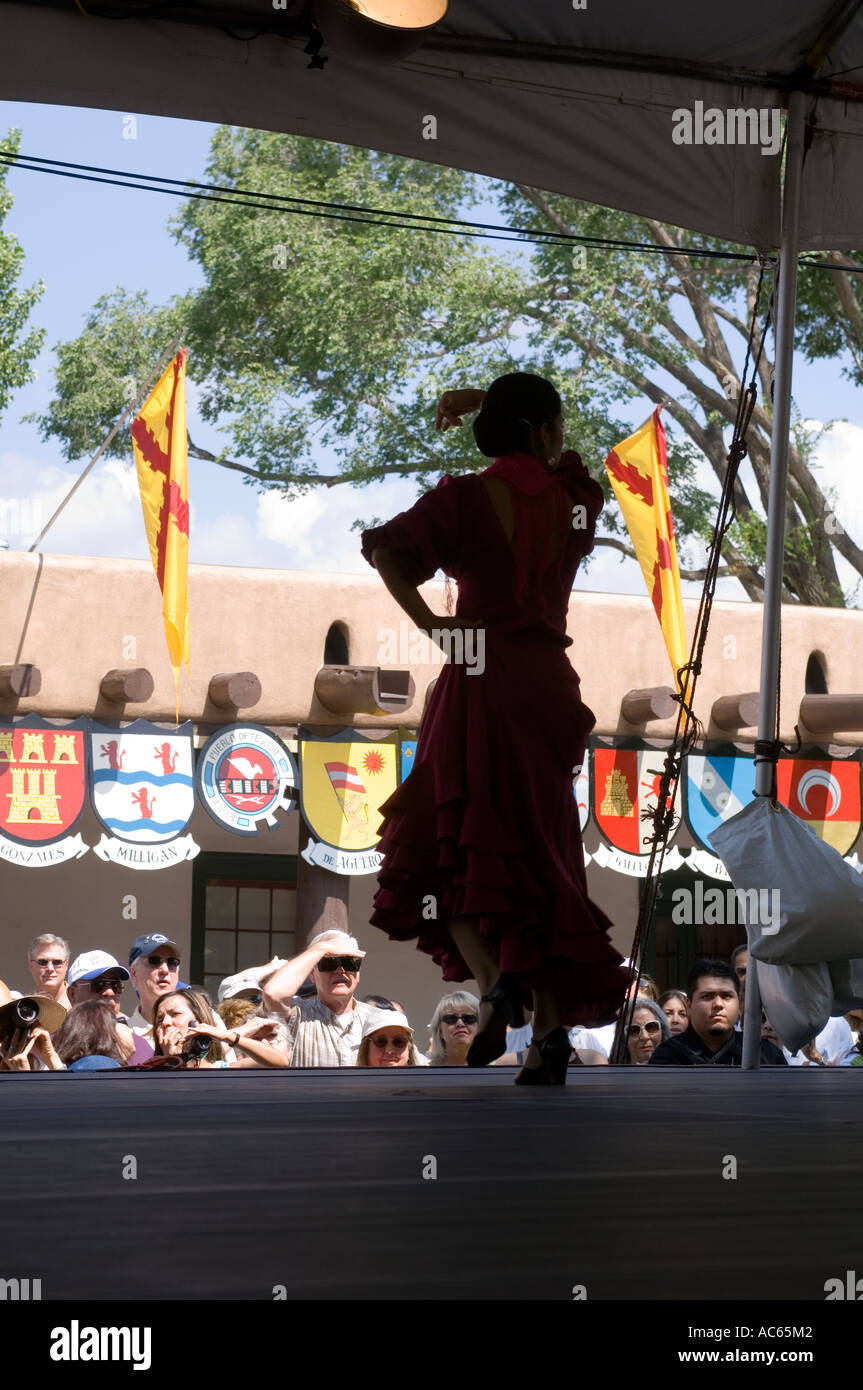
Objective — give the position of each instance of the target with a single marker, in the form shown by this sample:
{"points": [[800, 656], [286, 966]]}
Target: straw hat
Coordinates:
{"points": [[51, 1014]]}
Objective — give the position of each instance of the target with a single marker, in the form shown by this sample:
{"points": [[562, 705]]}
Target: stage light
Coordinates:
{"points": [[377, 31]]}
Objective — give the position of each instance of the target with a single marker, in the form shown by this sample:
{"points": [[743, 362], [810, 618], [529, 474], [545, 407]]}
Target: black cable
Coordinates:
{"points": [[372, 216], [407, 221]]}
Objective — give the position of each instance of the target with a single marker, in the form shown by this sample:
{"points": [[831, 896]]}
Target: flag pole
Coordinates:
{"points": [[773, 563], [130, 410]]}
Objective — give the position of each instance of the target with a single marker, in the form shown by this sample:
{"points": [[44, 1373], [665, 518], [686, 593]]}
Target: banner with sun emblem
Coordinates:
{"points": [[344, 779], [626, 783], [825, 794], [43, 790]]}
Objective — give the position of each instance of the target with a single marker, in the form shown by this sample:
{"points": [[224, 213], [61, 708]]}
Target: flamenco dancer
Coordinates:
{"points": [[483, 863]]}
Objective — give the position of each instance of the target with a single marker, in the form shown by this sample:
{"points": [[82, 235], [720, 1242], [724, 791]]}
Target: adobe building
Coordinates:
{"points": [[285, 650]]}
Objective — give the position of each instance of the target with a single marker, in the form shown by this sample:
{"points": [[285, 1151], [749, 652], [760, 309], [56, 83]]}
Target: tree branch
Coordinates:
{"points": [[738, 570]]}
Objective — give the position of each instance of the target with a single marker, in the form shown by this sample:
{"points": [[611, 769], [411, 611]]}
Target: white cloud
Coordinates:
{"points": [[232, 524], [102, 518], [313, 532], [837, 465]]}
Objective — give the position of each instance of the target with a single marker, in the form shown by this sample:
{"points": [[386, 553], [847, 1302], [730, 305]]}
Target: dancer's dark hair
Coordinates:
{"points": [[513, 405]]}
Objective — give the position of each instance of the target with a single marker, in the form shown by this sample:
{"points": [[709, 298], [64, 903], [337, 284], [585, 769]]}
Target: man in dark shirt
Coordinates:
{"points": [[710, 1039]]}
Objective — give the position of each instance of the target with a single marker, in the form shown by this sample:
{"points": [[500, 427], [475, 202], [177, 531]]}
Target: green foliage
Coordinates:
{"points": [[311, 334], [18, 347], [100, 373]]}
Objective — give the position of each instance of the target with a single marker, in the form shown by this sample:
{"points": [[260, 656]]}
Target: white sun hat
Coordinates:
{"points": [[385, 1018]]}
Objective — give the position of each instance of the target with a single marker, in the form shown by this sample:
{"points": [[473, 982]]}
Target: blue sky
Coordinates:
{"points": [[84, 239]]}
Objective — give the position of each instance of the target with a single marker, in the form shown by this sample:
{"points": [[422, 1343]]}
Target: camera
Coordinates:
{"points": [[25, 1013], [196, 1048]]}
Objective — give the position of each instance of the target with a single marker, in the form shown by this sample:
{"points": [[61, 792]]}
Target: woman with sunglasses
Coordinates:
{"points": [[487, 823], [647, 1029], [453, 1028], [388, 1041]]}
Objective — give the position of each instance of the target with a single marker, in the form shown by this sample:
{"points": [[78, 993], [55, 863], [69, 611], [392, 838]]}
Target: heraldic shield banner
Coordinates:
{"points": [[625, 784], [244, 775], [716, 787], [825, 794], [144, 793], [43, 790], [343, 782]]}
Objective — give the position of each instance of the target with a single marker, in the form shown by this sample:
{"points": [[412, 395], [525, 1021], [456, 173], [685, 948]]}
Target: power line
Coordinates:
{"points": [[362, 215], [346, 212]]}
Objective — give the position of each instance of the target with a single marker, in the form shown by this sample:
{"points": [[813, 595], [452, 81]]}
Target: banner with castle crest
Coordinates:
{"points": [[625, 784], [144, 793], [344, 779], [43, 791]]}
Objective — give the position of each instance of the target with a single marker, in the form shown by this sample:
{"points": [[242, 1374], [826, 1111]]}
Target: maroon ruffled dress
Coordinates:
{"points": [[486, 821]]}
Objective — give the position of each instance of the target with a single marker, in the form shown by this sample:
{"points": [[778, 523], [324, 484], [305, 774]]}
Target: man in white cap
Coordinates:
{"points": [[96, 975], [325, 1031]]}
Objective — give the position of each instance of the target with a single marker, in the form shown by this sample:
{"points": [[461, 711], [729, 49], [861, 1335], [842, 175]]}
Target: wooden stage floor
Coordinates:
{"points": [[314, 1181]]}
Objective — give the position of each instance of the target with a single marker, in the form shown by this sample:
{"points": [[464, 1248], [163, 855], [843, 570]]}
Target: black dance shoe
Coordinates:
{"points": [[554, 1050], [505, 999]]}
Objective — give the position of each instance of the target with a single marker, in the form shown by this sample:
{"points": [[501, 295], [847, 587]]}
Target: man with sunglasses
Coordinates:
{"points": [[48, 961], [96, 975], [154, 964], [326, 1030]]}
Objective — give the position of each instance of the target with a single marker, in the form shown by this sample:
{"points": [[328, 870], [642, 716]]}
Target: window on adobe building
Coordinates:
{"points": [[816, 674], [336, 649], [243, 913]]}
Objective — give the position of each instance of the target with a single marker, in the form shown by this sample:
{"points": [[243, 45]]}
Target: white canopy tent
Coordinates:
{"points": [[579, 101]]}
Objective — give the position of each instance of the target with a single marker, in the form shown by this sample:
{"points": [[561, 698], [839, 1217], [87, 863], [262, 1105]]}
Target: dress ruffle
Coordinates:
{"points": [[449, 853]]}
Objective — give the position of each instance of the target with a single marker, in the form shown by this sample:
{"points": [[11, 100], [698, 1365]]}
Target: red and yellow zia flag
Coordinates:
{"points": [[638, 472], [159, 445]]}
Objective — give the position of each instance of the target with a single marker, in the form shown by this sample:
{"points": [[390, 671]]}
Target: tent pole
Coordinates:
{"points": [[786, 308]]}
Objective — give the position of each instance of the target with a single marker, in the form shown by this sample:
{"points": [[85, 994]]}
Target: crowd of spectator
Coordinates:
{"points": [[305, 1012]]}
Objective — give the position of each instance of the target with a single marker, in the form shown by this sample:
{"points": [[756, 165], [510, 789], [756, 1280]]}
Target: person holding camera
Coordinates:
{"points": [[185, 1027], [26, 1026]]}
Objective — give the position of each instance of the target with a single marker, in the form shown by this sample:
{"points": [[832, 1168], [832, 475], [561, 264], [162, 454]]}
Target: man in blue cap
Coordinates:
{"points": [[154, 964]]}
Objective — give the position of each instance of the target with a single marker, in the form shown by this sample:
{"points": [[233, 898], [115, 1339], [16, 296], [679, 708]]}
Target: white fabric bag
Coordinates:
{"points": [[803, 903]]}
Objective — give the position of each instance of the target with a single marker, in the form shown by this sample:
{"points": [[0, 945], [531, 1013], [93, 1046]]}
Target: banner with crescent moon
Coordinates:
{"points": [[825, 794]]}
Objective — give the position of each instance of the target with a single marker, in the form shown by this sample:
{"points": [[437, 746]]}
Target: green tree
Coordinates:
{"points": [[18, 346], [311, 332]]}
